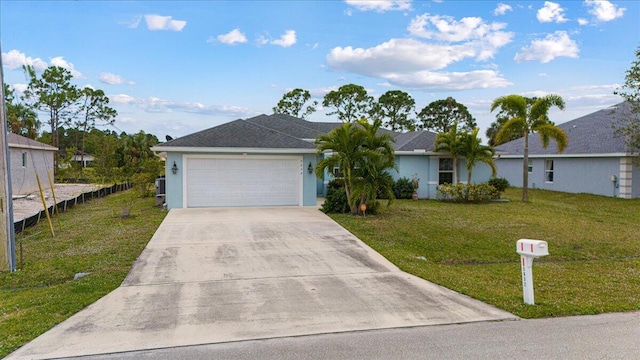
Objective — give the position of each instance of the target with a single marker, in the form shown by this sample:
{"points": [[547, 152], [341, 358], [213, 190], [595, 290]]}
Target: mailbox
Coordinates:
{"points": [[529, 250], [532, 248]]}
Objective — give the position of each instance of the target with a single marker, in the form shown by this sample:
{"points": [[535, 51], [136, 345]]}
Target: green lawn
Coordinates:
{"points": [[90, 237], [594, 246]]}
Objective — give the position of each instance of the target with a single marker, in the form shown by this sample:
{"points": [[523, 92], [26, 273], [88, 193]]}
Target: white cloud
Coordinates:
{"points": [[20, 88], [232, 37], [122, 99], [113, 79], [14, 59], [583, 22], [286, 40], [61, 62], [502, 9], [319, 93], [396, 62], [133, 24], [604, 10], [545, 75], [262, 40], [551, 12], [428, 80], [158, 22], [544, 50], [446, 28], [380, 5], [158, 105]]}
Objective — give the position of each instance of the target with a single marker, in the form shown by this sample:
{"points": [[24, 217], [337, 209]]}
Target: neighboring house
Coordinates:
{"points": [[85, 160], [29, 157], [596, 161], [269, 160]]}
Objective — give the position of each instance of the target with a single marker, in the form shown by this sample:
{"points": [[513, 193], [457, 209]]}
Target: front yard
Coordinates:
{"points": [[90, 238], [594, 246]]}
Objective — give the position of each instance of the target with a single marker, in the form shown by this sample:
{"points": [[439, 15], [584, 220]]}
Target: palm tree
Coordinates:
{"points": [[527, 116], [474, 152], [451, 142], [377, 157], [344, 143]]}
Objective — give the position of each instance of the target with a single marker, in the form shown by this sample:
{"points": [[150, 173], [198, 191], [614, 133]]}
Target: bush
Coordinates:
{"points": [[500, 184], [403, 188], [463, 193], [336, 200]]}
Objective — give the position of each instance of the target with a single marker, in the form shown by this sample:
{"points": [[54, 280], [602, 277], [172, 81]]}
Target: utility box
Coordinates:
{"points": [[160, 191], [532, 248]]}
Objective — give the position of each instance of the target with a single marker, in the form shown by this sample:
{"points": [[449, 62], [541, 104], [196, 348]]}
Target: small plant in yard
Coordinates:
{"points": [[415, 181], [467, 193], [500, 184], [403, 188], [336, 199]]}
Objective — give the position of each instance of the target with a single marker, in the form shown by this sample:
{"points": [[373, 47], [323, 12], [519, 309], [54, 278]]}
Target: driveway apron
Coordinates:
{"points": [[231, 274]]}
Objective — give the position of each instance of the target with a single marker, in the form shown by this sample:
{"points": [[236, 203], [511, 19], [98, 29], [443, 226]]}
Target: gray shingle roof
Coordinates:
{"points": [[321, 127], [590, 134], [415, 140], [280, 131], [240, 134], [282, 124]]}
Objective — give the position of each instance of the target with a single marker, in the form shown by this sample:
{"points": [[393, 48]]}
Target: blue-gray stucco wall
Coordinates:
{"points": [[573, 175]]}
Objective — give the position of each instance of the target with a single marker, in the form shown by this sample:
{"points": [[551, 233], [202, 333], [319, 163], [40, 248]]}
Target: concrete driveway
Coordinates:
{"points": [[231, 274]]}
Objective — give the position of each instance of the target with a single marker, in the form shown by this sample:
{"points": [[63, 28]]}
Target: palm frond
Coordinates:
{"points": [[554, 132], [513, 126]]}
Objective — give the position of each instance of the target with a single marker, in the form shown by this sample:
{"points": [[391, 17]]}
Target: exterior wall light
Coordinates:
{"points": [[174, 168], [310, 168]]}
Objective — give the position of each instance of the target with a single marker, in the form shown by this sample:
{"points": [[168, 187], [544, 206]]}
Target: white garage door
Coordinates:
{"points": [[246, 181]]}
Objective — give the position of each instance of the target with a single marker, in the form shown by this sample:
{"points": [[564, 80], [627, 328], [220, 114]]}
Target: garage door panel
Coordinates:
{"points": [[243, 182]]}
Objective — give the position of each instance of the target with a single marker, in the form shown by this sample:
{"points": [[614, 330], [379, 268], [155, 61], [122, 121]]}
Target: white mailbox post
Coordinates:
{"points": [[529, 250]]}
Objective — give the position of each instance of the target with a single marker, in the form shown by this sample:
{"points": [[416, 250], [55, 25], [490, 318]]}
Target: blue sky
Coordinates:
{"points": [[174, 67]]}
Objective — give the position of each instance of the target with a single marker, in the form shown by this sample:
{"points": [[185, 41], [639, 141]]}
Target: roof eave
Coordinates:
{"points": [[540, 156], [195, 149]]}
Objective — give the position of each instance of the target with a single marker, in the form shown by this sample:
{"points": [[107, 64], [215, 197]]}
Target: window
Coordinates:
{"points": [[24, 159], [336, 172], [530, 167], [548, 171], [445, 171]]}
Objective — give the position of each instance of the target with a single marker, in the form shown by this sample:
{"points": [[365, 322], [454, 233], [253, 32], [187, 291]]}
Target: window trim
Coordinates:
{"points": [[441, 171]]}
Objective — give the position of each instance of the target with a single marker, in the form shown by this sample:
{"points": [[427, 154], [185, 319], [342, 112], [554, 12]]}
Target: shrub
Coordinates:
{"points": [[336, 199], [403, 188], [463, 193], [500, 184]]}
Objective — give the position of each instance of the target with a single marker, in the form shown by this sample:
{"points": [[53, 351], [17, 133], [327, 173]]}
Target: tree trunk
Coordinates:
{"points": [[455, 170], [525, 169]]}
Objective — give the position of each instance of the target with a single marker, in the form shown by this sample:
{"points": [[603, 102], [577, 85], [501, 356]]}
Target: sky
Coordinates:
{"points": [[177, 67]]}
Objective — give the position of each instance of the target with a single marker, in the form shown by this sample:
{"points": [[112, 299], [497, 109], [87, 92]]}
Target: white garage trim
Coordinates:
{"points": [[274, 180]]}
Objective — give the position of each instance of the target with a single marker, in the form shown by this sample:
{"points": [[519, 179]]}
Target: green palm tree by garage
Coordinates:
{"points": [[361, 156], [343, 143], [372, 178], [529, 115], [451, 142]]}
